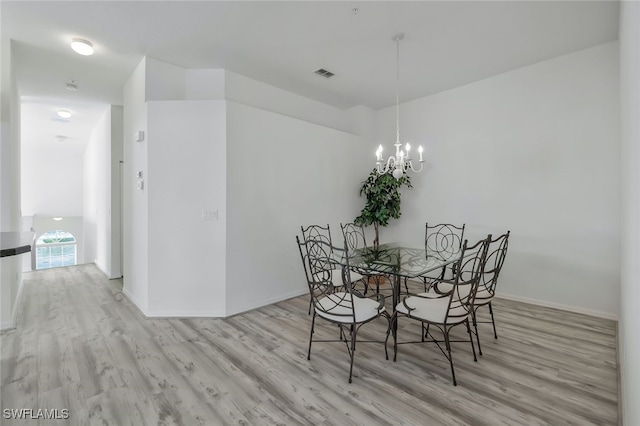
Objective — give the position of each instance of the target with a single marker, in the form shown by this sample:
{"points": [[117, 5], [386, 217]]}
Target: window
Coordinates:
{"points": [[55, 249]]}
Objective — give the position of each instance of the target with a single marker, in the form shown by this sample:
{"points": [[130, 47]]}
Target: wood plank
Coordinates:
{"points": [[81, 345]]}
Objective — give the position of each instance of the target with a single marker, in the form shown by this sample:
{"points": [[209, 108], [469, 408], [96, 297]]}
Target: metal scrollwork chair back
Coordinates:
{"points": [[496, 254], [443, 240], [323, 233], [355, 238], [348, 309], [317, 232], [449, 308]]}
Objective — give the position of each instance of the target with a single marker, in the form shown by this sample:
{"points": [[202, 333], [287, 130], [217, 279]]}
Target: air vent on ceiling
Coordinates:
{"points": [[324, 73]]}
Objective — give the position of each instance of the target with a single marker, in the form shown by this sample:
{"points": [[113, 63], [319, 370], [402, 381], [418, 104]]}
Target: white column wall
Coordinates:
{"points": [[629, 328], [135, 212], [187, 175], [101, 210], [114, 216], [93, 176], [10, 267], [282, 172], [535, 151]]}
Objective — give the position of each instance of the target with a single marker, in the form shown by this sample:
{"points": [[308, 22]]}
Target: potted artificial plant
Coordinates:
{"points": [[382, 192]]}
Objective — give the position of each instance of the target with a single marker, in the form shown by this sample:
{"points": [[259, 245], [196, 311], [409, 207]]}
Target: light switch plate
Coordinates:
{"points": [[209, 214]]}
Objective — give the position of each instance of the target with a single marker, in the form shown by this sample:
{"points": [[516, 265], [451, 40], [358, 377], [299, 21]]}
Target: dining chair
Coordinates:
{"points": [[349, 309], [355, 238], [323, 233], [445, 240], [496, 254], [447, 309]]}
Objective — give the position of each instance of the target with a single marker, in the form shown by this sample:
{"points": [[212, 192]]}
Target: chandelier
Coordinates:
{"points": [[401, 162]]}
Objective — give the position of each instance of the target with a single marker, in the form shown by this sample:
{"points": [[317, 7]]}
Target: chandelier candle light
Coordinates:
{"points": [[401, 163]]}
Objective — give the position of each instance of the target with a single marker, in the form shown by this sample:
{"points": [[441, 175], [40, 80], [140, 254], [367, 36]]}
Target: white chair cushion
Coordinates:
{"points": [[339, 303], [432, 308], [483, 296]]}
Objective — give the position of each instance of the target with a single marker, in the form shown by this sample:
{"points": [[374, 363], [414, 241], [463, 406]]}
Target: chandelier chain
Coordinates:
{"points": [[399, 164], [398, 90]]}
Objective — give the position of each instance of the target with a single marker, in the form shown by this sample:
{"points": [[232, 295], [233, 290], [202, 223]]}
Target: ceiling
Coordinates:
{"points": [[447, 44]]}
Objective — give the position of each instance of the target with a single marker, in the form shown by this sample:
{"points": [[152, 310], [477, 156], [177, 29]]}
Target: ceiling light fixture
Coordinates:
{"points": [[82, 47], [58, 219], [401, 163], [63, 113]]}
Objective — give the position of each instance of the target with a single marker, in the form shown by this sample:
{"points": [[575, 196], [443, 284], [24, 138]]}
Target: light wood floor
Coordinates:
{"points": [[82, 346]]}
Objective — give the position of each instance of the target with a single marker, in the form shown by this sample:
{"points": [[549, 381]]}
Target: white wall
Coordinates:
{"points": [[282, 172], [135, 212], [10, 267], [629, 327], [187, 174], [102, 193], [248, 91], [180, 264], [93, 184], [115, 211], [163, 81], [536, 151]]}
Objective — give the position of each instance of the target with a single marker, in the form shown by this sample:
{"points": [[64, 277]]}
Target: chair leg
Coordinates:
{"points": [[365, 281], [386, 340], [475, 358], [354, 331], [475, 326], [426, 331], [495, 333], [394, 331], [313, 322], [448, 346]]}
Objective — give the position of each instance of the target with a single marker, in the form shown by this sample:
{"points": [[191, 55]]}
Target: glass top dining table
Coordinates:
{"points": [[399, 261]]}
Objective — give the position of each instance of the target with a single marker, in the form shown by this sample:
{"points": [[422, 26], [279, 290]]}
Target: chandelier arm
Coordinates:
{"points": [[387, 167], [418, 170]]}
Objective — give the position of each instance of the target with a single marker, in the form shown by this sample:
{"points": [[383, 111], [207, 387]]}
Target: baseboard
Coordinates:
{"points": [[270, 301], [569, 308], [132, 300], [171, 314], [7, 326], [618, 365], [104, 271], [185, 314]]}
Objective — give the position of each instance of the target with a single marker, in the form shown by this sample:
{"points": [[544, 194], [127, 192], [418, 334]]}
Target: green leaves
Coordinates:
{"points": [[383, 198]]}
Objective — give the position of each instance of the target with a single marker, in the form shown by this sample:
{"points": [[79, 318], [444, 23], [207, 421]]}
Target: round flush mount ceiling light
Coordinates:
{"points": [[57, 219], [82, 47], [63, 113]]}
